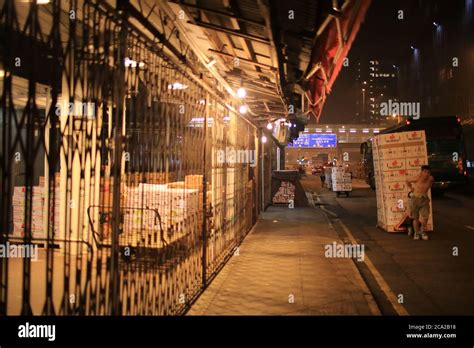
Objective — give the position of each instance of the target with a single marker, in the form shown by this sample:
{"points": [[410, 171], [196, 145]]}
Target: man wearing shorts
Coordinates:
{"points": [[420, 202]]}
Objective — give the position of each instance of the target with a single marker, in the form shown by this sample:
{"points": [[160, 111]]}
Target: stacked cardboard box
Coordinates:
{"points": [[54, 207], [341, 181], [195, 182], [38, 202], [396, 157], [285, 193], [176, 206]]}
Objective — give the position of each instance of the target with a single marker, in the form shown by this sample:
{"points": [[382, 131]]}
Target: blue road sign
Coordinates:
{"points": [[310, 140]]}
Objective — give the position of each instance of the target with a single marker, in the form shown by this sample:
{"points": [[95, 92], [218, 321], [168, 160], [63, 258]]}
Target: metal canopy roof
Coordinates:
{"points": [[239, 39], [276, 50]]}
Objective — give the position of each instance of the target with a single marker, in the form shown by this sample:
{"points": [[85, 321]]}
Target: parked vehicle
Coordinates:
{"points": [[445, 145]]}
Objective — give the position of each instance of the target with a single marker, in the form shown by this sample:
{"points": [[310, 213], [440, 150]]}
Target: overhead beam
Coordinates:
{"points": [[245, 60], [246, 44], [133, 12], [236, 80], [272, 112], [264, 92], [270, 15], [230, 31], [219, 13]]}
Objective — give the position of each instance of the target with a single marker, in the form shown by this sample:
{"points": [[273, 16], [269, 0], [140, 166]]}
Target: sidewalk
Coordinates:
{"points": [[281, 269]]}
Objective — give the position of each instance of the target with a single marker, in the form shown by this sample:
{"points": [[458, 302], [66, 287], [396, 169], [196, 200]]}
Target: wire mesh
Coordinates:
{"points": [[114, 168]]}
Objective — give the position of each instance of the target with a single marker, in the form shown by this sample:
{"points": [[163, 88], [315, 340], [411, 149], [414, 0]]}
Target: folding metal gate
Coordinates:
{"points": [[115, 168]]}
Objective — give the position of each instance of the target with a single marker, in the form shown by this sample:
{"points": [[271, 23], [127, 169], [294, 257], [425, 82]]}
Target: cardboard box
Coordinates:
{"points": [[390, 139], [414, 137], [400, 155], [396, 186], [393, 175], [414, 163], [393, 164], [390, 153], [415, 151]]}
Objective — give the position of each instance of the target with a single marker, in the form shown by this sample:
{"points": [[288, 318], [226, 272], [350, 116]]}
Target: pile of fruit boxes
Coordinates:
{"points": [[341, 181], [38, 218], [179, 205], [285, 193], [396, 157]]}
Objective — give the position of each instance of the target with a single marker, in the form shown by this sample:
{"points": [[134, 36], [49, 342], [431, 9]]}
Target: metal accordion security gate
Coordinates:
{"points": [[117, 184]]}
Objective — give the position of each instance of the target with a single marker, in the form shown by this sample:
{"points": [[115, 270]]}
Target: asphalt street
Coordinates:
{"points": [[427, 277]]}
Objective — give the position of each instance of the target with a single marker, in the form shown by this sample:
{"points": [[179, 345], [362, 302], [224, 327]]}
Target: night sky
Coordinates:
{"points": [[383, 37]]}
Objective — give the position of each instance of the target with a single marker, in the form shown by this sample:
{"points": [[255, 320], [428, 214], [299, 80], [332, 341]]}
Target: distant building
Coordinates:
{"points": [[376, 83]]}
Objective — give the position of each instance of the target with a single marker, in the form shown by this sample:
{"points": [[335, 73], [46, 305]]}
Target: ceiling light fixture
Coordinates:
{"points": [[177, 85], [241, 93]]}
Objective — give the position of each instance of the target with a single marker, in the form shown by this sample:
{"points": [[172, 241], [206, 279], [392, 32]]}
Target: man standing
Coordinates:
{"points": [[419, 201]]}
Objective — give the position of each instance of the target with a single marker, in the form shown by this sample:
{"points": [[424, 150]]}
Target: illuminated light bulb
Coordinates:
{"points": [[264, 139], [269, 126], [243, 109], [177, 85], [241, 92]]}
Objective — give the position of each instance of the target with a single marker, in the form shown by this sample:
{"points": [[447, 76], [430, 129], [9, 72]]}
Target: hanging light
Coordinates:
{"points": [[269, 126], [241, 93], [264, 139], [177, 85], [243, 109]]}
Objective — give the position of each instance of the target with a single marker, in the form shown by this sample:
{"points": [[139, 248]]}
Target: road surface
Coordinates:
{"points": [[422, 277]]}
